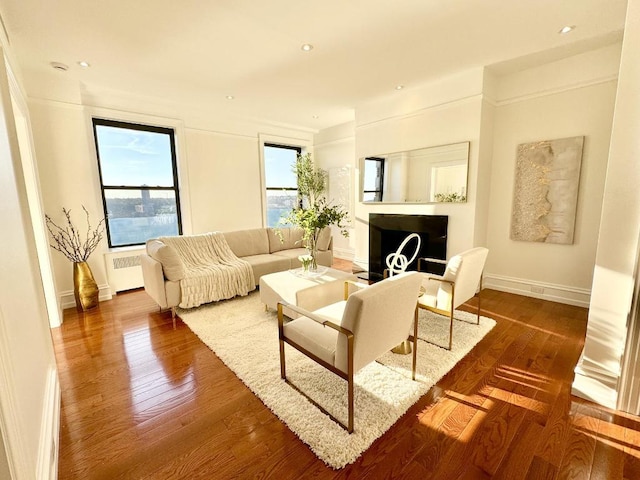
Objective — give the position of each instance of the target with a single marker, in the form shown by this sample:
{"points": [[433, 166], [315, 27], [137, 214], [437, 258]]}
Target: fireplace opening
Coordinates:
{"points": [[387, 232]]}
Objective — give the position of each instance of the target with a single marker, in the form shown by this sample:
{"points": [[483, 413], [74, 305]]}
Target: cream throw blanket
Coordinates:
{"points": [[212, 271]]}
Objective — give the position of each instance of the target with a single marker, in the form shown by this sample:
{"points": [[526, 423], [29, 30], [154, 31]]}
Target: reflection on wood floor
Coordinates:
{"points": [[143, 400]]}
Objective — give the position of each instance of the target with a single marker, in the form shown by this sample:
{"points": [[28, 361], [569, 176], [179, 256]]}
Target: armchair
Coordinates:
{"points": [[346, 336], [459, 282]]}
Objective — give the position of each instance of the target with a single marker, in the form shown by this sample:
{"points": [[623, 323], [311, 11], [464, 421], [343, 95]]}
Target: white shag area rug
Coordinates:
{"points": [[245, 337]]}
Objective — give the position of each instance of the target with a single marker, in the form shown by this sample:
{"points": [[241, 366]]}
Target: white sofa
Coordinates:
{"points": [[163, 268]]}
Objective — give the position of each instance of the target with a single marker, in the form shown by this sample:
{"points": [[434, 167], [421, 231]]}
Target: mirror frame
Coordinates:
{"points": [[438, 150]]}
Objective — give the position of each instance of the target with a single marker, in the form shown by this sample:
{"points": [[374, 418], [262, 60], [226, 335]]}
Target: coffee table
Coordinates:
{"points": [[308, 292]]}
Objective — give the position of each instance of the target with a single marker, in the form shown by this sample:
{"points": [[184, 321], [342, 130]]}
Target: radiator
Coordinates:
{"points": [[123, 270]]}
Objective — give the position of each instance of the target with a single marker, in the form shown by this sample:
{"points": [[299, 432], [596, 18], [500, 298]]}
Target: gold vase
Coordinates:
{"points": [[85, 288]]}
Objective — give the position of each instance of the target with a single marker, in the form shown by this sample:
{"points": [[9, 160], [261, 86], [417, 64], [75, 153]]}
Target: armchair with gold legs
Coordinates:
{"points": [[459, 282], [346, 336]]}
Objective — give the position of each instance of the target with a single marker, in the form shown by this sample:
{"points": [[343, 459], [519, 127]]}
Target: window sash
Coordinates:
{"points": [[375, 194], [157, 224], [274, 212]]}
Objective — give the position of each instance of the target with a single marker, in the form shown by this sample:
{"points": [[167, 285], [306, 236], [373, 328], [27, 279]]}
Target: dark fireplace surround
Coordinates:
{"points": [[388, 231]]}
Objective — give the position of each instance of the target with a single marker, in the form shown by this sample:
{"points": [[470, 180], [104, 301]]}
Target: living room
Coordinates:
{"points": [[562, 88]]}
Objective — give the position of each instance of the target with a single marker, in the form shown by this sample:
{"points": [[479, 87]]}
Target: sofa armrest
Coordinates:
{"points": [[154, 280]]}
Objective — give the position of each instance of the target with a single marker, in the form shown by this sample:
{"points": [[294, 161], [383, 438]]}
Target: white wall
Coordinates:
{"points": [[29, 393], [224, 181], [568, 98], [599, 369], [68, 178], [334, 148], [496, 111], [219, 171], [441, 113]]}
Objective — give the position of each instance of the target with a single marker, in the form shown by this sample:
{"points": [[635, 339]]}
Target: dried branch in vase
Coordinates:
{"points": [[67, 240]]}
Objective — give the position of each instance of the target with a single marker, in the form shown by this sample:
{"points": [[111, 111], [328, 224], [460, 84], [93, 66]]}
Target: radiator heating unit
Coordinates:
{"points": [[123, 270]]}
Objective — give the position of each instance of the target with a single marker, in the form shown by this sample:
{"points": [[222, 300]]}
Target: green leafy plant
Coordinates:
{"points": [[450, 197], [316, 212]]}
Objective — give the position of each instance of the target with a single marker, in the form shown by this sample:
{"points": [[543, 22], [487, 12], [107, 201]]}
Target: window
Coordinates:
{"points": [[373, 179], [280, 180], [139, 180]]}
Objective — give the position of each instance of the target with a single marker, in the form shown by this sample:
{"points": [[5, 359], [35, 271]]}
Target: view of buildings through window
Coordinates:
{"points": [[138, 175], [373, 179], [280, 180]]}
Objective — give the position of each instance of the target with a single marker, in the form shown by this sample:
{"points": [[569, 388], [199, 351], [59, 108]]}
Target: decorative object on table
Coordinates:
{"points": [[315, 212], [236, 330], [68, 241], [546, 190], [306, 261], [397, 262]]}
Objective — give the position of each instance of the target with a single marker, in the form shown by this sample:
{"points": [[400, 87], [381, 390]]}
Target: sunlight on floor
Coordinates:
{"points": [[157, 382]]}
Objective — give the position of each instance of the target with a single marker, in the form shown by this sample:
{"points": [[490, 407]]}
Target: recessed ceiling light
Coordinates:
{"points": [[84, 64], [307, 47], [566, 29], [59, 66], [230, 97], [399, 87]]}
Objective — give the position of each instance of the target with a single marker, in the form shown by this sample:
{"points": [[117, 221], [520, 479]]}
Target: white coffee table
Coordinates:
{"points": [[309, 293]]}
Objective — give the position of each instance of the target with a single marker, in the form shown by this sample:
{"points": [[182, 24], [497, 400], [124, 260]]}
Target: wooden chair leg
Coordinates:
{"points": [[283, 373], [479, 298], [415, 344], [350, 388], [451, 330]]}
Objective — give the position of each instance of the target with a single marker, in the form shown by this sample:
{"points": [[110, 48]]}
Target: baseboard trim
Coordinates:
{"points": [[67, 299], [579, 297], [48, 450], [344, 253], [593, 383]]}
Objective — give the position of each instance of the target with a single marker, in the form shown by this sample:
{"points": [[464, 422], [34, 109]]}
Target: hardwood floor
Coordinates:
{"points": [[142, 400]]}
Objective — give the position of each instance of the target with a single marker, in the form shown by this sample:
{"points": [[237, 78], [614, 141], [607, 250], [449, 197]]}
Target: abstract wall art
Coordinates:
{"points": [[545, 197]]}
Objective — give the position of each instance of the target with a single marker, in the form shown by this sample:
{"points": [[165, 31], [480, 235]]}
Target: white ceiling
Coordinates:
{"points": [[199, 51]]}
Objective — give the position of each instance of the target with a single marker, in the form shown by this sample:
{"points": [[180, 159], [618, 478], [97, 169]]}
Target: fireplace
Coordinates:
{"points": [[387, 231]]}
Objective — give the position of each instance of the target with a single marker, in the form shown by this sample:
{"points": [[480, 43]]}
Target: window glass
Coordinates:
{"points": [[134, 157], [138, 215], [280, 180], [138, 175], [279, 165], [373, 179]]}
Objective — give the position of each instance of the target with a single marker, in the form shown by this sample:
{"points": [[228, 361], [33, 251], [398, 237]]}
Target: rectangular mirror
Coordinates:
{"points": [[428, 175]]}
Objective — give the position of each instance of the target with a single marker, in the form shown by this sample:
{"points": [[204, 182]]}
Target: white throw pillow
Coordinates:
{"points": [[324, 239], [172, 265]]}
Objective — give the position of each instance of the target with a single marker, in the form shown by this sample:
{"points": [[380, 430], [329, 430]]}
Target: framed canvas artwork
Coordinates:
{"points": [[545, 198]]}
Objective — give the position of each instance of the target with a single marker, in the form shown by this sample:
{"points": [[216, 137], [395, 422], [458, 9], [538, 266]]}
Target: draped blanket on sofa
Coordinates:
{"points": [[211, 270]]}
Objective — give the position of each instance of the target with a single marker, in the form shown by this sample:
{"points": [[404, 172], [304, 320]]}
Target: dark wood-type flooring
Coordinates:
{"points": [[141, 400]]}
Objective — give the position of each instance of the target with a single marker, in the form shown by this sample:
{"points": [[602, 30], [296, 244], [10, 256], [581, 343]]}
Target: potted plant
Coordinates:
{"points": [[68, 241], [314, 212]]}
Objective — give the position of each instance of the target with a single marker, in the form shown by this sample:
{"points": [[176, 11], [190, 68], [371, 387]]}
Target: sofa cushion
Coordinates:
{"points": [[292, 254], [324, 239], [325, 257], [172, 265], [248, 242], [291, 238], [266, 263]]}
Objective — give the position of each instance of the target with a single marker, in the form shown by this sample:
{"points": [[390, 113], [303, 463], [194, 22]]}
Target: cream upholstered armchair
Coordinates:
{"points": [[346, 336], [459, 282]]}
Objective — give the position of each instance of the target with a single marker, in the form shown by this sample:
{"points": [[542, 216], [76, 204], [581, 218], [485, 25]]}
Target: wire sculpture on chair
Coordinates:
{"points": [[397, 262]]}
